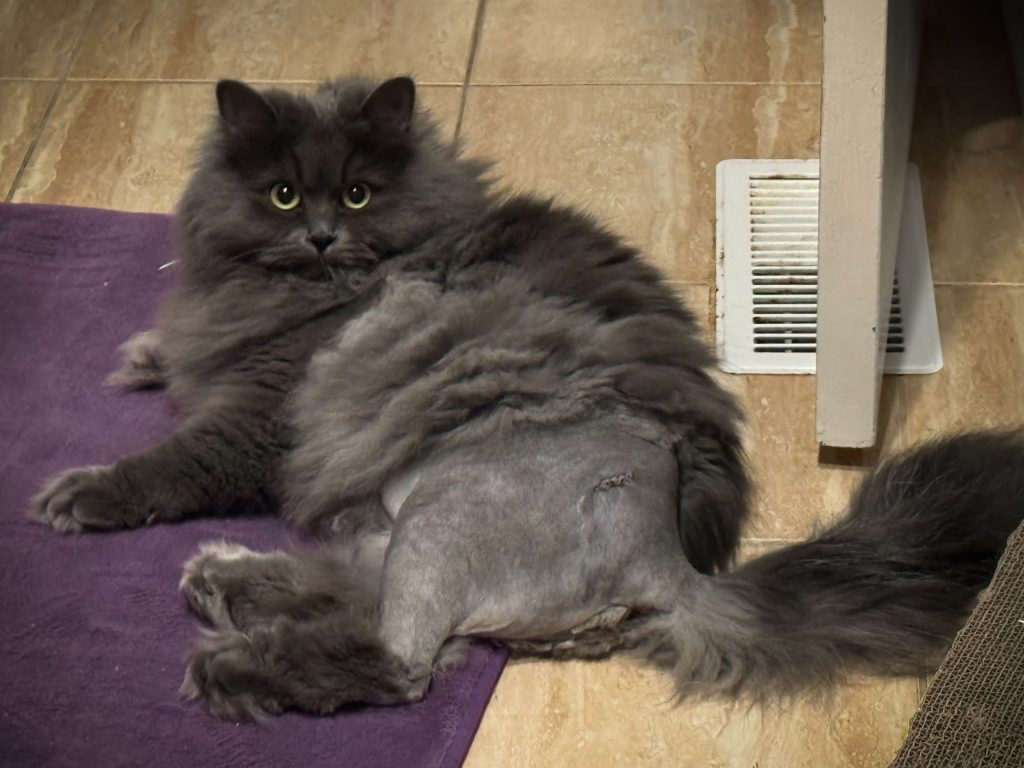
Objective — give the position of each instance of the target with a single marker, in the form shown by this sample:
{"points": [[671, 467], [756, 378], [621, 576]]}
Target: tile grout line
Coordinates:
{"points": [[212, 80], [647, 83], [27, 157], [470, 60], [977, 284], [57, 89], [440, 83]]}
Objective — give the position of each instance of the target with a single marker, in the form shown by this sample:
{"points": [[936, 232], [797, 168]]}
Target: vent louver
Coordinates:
{"points": [[768, 274]]}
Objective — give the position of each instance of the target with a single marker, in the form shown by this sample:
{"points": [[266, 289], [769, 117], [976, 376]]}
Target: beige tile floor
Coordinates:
{"points": [[623, 108]]}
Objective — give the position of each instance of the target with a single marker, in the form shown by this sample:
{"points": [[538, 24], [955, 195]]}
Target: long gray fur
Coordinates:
{"points": [[501, 422]]}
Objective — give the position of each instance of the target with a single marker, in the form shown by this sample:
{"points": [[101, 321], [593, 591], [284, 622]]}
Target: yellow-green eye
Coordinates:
{"points": [[284, 196], [356, 196]]}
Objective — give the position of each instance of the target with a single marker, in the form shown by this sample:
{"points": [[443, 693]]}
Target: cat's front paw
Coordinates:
{"points": [[81, 499]]}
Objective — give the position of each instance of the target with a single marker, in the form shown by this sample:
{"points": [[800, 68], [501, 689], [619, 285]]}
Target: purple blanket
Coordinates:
{"points": [[93, 632]]}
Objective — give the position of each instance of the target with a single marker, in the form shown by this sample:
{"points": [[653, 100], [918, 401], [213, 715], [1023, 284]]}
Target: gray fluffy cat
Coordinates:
{"points": [[501, 423]]}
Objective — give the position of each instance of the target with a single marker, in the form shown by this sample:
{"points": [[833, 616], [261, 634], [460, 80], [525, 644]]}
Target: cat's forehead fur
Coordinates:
{"points": [[333, 107], [343, 97]]}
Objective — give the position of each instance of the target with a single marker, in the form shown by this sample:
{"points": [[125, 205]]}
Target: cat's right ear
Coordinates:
{"points": [[389, 107], [244, 109]]}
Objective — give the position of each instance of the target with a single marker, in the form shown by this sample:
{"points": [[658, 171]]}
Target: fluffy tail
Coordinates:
{"points": [[881, 591]]}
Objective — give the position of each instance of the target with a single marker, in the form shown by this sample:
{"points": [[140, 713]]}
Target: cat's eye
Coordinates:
{"points": [[284, 196], [356, 196]]}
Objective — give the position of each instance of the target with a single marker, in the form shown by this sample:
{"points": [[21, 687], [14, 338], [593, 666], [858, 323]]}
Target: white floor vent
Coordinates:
{"points": [[767, 297]]}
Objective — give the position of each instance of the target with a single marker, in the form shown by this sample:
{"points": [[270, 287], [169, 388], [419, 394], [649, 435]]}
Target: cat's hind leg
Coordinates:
{"points": [[315, 660], [308, 636], [297, 630], [236, 588], [317, 665]]}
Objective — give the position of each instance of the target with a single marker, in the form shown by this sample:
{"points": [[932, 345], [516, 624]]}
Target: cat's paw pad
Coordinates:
{"points": [[202, 580], [224, 674], [81, 499], [142, 366]]}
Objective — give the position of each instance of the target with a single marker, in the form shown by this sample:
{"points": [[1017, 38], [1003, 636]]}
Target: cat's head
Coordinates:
{"points": [[339, 179]]}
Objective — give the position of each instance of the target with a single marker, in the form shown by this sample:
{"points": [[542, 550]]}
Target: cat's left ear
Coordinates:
{"points": [[389, 107]]}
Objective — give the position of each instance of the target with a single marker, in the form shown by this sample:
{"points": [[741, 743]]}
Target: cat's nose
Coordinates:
{"points": [[321, 240]]}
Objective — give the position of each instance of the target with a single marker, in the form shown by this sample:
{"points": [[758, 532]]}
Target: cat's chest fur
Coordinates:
{"points": [[247, 338], [429, 364]]}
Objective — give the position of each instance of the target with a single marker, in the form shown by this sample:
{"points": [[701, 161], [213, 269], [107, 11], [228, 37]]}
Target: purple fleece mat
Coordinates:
{"points": [[93, 632]]}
